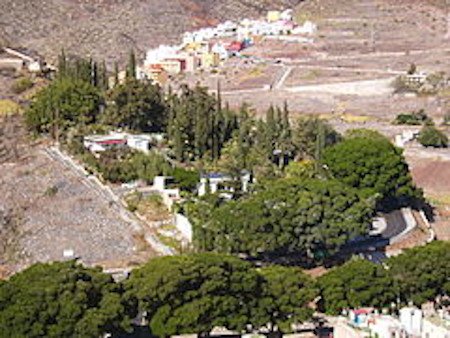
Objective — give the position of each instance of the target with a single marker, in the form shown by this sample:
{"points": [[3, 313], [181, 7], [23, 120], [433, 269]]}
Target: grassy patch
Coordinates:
{"points": [[9, 107], [170, 242], [350, 118], [441, 200]]}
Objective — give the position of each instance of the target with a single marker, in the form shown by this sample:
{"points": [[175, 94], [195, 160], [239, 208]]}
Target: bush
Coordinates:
{"points": [[21, 85], [414, 119], [432, 137], [187, 180]]}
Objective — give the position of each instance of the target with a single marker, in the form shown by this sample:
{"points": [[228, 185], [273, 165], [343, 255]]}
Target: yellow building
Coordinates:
{"points": [[210, 60], [273, 16]]}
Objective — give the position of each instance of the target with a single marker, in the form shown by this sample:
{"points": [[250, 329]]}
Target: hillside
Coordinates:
{"points": [[107, 29]]}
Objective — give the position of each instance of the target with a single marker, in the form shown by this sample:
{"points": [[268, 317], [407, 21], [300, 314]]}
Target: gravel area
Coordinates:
{"points": [[59, 211]]}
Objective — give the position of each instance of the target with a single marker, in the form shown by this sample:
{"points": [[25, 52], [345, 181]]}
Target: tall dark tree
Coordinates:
{"points": [[131, 66], [136, 105]]}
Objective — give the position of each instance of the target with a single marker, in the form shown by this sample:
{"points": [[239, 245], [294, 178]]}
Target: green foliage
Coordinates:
{"points": [[305, 169], [122, 165], [21, 85], [198, 127], [431, 137], [422, 273], [136, 105], [286, 294], [186, 180], [355, 284], [62, 300], [311, 136], [415, 119], [65, 103], [373, 166], [312, 218], [195, 293]]}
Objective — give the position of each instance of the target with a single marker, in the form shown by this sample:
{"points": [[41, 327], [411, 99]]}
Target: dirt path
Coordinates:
{"points": [[359, 88]]}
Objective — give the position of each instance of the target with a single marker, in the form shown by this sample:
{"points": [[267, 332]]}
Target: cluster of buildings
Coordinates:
{"points": [[208, 47], [411, 323]]}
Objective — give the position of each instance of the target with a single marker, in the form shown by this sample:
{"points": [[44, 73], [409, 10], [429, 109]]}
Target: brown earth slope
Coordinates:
{"points": [[107, 29]]}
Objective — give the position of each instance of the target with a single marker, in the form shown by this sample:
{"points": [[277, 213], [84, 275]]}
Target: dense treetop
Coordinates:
{"points": [[62, 300], [286, 294], [355, 284], [422, 273], [374, 166], [195, 293], [313, 218]]}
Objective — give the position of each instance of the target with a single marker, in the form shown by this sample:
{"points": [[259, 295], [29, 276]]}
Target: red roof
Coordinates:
{"points": [[362, 311], [236, 46], [108, 142]]}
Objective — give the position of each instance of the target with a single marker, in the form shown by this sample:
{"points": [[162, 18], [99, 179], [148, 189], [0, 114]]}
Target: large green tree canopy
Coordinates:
{"points": [[195, 293], [374, 166], [355, 284], [65, 103], [285, 298], [311, 218], [422, 273], [136, 105], [62, 300]]}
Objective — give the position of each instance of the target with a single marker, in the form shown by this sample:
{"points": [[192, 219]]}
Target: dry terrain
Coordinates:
{"points": [[47, 207], [108, 29]]}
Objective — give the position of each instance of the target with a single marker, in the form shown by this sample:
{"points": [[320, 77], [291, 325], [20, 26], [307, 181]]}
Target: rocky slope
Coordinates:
{"points": [[107, 29]]}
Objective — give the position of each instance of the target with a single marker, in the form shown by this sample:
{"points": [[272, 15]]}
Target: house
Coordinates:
{"points": [[156, 74], [101, 143], [437, 326], [235, 47], [273, 16], [411, 319], [210, 60], [308, 28], [173, 66], [219, 182], [220, 49]]}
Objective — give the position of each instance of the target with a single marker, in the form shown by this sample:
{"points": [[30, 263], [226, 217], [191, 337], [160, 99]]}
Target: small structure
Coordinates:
{"points": [[308, 28], [273, 16], [411, 319], [210, 60], [101, 143], [416, 78], [162, 185], [219, 182], [405, 137]]}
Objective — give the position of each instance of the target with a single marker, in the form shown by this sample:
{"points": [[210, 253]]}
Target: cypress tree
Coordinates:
{"points": [[62, 64], [131, 67], [116, 74]]}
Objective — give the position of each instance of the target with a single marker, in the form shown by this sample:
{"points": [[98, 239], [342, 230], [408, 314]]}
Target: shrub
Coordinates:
{"points": [[414, 119], [21, 85], [432, 137]]}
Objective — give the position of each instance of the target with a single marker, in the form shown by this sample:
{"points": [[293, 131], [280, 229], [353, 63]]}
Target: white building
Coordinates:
{"points": [[437, 326], [308, 28], [216, 182], [411, 319], [101, 143]]}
